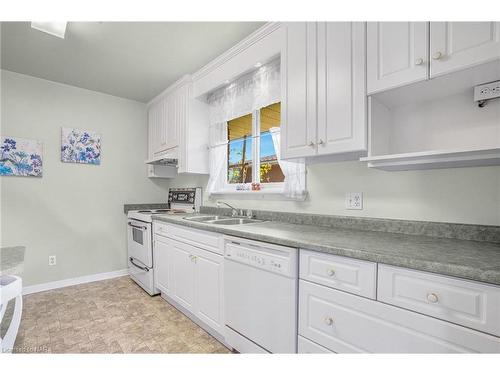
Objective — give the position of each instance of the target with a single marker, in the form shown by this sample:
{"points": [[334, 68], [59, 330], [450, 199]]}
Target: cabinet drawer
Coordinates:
{"points": [[308, 347], [467, 303], [206, 240], [345, 323], [351, 275]]}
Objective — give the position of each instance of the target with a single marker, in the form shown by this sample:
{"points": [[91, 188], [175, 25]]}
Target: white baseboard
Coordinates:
{"points": [[74, 281]]}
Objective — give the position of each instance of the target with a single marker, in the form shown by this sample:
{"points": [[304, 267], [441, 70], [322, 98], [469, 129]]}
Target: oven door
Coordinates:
{"points": [[140, 253]]}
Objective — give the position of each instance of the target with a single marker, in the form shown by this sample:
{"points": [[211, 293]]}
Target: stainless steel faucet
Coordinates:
{"points": [[234, 211]]}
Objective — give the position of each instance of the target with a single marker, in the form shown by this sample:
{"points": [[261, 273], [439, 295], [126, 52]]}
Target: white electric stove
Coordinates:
{"points": [[140, 234]]}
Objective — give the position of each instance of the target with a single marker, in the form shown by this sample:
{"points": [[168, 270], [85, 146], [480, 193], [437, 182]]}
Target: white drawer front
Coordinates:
{"points": [[206, 240], [345, 323], [351, 275], [306, 346], [468, 303]]}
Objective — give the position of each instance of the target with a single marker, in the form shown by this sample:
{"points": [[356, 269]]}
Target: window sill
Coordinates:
{"points": [[249, 192]]}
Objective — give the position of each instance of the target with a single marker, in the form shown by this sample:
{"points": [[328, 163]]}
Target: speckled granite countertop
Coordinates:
{"points": [[474, 260]]}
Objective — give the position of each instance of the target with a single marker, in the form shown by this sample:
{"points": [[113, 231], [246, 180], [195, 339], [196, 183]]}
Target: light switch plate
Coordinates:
{"points": [[354, 201]]}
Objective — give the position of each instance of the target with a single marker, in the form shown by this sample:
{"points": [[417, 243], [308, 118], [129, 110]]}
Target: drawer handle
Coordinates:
{"points": [[331, 272], [432, 297], [329, 321]]}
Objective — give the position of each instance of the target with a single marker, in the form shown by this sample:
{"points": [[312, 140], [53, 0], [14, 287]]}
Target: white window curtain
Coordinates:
{"points": [[248, 93], [294, 186]]}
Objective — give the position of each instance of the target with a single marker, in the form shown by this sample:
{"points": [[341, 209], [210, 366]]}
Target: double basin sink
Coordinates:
{"points": [[222, 220]]}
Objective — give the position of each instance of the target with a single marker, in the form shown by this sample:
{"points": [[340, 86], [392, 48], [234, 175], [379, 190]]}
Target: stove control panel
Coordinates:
{"points": [[185, 197]]}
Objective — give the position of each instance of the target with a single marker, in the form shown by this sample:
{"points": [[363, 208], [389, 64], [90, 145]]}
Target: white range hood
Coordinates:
{"points": [[164, 165], [168, 159]]}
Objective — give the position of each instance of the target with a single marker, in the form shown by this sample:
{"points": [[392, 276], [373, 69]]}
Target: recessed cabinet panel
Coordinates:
{"points": [[162, 264], [470, 304], [209, 289], [183, 277], [351, 275], [459, 45], [323, 89], [397, 54], [306, 346], [341, 87], [298, 61], [346, 323]]}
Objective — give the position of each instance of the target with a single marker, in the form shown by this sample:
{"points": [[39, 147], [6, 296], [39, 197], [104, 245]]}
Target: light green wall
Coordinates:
{"points": [[74, 211], [459, 195]]}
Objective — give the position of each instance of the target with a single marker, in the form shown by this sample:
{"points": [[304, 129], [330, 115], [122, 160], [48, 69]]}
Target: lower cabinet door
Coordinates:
{"points": [[183, 268], [209, 289], [345, 323], [162, 264], [306, 346]]}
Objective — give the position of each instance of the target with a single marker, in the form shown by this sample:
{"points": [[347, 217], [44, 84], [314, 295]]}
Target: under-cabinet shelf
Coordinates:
{"points": [[435, 124], [435, 159]]}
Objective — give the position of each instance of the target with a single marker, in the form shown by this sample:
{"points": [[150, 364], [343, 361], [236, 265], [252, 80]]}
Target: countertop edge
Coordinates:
{"points": [[465, 272]]}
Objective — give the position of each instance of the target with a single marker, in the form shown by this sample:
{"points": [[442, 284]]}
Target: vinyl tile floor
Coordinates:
{"points": [[110, 316]]}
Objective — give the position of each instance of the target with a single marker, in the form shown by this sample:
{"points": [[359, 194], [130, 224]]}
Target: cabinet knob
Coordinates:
{"points": [[419, 61], [432, 297], [437, 55], [328, 321], [331, 272], [321, 142], [311, 143]]}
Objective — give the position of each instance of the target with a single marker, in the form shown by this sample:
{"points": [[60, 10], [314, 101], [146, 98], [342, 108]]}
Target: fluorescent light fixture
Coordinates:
{"points": [[53, 28]]}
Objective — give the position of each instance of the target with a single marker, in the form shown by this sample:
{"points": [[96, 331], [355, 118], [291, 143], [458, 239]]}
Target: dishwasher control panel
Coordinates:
{"points": [[268, 259]]}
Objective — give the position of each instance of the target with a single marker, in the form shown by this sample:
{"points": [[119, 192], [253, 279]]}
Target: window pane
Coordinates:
{"points": [[239, 150], [270, 171]]}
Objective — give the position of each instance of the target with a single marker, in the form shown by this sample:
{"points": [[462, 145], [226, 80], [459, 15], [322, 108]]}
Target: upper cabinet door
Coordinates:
{"points": [[341, 87], [460, 45], [397, 54], [172, 125], [298, 105]]}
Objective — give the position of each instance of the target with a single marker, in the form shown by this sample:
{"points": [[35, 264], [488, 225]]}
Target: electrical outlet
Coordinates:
{"points": [[487, 91], [52, 260], [354, 201]]}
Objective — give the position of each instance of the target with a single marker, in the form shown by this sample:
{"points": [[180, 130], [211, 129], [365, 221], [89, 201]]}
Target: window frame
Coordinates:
{"points": [[266, 187]]}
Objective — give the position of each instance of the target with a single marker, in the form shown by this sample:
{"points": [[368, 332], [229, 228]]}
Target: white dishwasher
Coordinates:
{"points": [[260, 296]]}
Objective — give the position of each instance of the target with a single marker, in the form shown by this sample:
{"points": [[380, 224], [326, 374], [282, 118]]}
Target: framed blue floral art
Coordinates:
{"points": [[20, 157], [80, 146]]}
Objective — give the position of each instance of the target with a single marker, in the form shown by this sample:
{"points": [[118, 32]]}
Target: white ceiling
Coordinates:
{"points": [[135, 60]]}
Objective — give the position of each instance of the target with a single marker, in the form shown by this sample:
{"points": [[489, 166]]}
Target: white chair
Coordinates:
{"points": [[11, 288]]}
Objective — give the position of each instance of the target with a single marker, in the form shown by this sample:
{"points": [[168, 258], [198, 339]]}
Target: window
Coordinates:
{"points": [[251, 155]]}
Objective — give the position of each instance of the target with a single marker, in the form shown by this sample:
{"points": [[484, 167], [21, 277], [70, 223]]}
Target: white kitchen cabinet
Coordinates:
{"points": [[298, 92], [345, 323], [178, 128], [190, 275], [209, 288], [162, 264], [157, 118], [306, 346], [460, 45], [323, 89], [183, 277], [470, 304], [397, 54], [347, 274], [341, 88]]}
